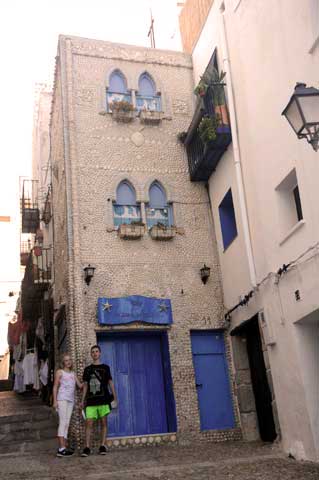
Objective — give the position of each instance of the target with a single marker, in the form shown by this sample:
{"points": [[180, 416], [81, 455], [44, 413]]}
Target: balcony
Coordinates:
{"points": [[25, 249], [42, 262], [205, 151], [30, 212]]}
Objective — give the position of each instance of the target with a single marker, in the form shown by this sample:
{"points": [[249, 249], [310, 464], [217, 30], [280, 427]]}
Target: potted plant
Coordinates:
{"points": [[150, 116], [207, 129], [132, 230], [122, 110], [182, 136], [201, 88], [160, 231], [219, 100]]}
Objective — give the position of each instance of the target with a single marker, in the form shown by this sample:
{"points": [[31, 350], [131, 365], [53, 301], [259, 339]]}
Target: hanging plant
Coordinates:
{"points": [[201, 88], [207, 129], [121, 106]]}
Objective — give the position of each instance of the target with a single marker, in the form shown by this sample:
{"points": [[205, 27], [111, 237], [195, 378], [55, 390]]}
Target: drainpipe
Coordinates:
{"points": [[236, 150]]}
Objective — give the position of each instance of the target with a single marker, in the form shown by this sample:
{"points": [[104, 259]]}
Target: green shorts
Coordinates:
{"points": [[95, 412]]}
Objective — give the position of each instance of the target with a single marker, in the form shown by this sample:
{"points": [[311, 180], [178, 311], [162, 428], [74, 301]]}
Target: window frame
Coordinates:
{"points": [[224, 218]]}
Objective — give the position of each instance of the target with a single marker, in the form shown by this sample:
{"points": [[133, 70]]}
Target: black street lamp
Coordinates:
{"points": [[204, 273], [302, 112], [88, 274]]}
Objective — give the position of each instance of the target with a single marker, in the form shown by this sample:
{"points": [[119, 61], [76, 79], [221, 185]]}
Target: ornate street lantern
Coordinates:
{"points": [[302, 112], [88, 274], [205, 273]]}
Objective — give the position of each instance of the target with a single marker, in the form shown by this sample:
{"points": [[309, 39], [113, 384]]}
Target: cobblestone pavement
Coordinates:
{"points": [[227, 461]]}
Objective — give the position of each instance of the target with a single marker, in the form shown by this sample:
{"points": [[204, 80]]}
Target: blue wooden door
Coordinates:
{"points": [[212, 381], [137, 369]]}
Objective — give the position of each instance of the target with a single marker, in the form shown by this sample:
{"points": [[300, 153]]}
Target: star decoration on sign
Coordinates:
{"points": [[163, 307], [107, 306]]}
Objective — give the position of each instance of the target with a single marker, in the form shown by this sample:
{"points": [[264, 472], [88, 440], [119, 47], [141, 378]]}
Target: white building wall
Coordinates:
{"points": [[269, 45]]}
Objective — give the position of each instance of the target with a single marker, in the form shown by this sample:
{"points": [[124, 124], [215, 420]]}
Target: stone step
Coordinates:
{"points": [[27, 425], [28, 435], [37, 413], [6, 385], [31, 446]]}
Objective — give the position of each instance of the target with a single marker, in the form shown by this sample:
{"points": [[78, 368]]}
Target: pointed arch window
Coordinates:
{"points": [[125, 209], [117, 90], [158, 209], [147, 98]]}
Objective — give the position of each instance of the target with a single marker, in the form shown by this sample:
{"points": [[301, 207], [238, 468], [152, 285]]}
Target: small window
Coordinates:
{"points": [[125, 209], [146, 98], [289, 202], [298, 203], [227, 219], [158, 210], [117, 91]]}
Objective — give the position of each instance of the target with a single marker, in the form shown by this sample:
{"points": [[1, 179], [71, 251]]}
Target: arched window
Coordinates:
{"points": [[117, 82], [126, 209], [146, 85], [146, 98], [117, 91], [158, 210]]}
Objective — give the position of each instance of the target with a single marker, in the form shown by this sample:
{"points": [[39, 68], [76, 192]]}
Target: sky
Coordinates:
{"points": [[29, 32]]}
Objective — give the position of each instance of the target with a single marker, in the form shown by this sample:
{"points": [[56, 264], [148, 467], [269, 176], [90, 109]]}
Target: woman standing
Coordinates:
{"points": [[63, 401]]}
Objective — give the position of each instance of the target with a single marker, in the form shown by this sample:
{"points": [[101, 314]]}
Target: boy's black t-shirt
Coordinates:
{"points": [[97, 377]]}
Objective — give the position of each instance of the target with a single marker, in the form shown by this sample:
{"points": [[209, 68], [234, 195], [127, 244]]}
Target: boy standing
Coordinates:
{"points": [[97, 379]]}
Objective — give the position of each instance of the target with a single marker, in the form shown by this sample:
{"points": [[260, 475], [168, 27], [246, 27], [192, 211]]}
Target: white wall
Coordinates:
{"points": [[269, 45]]}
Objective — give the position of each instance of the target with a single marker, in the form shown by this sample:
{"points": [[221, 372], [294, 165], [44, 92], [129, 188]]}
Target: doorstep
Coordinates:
{"points": [[142, 440]]}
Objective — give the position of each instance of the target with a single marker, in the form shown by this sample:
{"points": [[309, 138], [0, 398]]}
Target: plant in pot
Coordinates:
{"points": [[207, 129], [182, 136], [121, 106], [201, 88], [218, 94]]}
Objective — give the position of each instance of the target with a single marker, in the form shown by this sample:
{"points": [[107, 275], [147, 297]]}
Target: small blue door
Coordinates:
{"points": [[212, 381], [136, 363]]}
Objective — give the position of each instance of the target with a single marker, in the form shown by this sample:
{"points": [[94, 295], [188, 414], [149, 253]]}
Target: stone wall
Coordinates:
{"points": [[102, 152]]}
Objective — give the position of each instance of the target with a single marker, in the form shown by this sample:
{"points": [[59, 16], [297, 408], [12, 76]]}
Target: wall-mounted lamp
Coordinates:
{"points": [[204, 273], [302, 113], [88, 274]]}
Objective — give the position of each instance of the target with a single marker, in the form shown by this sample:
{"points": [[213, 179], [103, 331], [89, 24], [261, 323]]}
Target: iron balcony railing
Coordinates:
{"points": [[203, 158], [42, 262], [25, 249], [29, 206]]}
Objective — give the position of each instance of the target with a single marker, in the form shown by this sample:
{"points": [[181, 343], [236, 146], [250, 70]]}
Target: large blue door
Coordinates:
{"points": [[136, 363], [212, 381]]}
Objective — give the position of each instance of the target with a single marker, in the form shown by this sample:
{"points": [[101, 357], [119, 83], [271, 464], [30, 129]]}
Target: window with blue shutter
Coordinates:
{"points": [[158, 210], [125, 209], [227, 219], [146, 98], [117, 91]]}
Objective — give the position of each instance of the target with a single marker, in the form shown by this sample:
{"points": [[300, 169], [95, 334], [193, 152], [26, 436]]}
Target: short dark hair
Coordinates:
{"points": [[96, 346]]}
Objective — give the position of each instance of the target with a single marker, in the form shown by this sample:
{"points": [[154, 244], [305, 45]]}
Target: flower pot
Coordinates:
{"points": [[131, 231]]}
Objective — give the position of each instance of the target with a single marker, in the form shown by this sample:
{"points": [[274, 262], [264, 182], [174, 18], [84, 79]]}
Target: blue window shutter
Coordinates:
{"points": [[157, 196], [146, 86], [117, 82], [227, 219], [125, 194]]}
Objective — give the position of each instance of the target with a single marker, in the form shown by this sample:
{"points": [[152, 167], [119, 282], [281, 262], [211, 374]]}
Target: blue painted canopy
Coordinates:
{"points": [[118, 311]]}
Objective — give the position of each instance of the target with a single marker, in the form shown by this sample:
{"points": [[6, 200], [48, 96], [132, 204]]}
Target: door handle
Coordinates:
{"points": [[199, 384]]}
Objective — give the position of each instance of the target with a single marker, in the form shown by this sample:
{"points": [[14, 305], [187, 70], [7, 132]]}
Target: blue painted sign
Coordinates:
{"points": [[118, 311]]}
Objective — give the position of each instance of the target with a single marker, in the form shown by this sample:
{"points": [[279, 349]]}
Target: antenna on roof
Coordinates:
{"points": [[151, 33]]}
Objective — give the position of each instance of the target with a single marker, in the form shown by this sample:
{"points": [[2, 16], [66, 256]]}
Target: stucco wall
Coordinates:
{"points": [[269, 51]]}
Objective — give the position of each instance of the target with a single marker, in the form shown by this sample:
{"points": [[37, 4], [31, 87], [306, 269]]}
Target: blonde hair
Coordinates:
{"points": [[63, 358]]}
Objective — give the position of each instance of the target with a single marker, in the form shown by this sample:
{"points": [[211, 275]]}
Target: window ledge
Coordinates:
{"points": [[292, 231]]}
